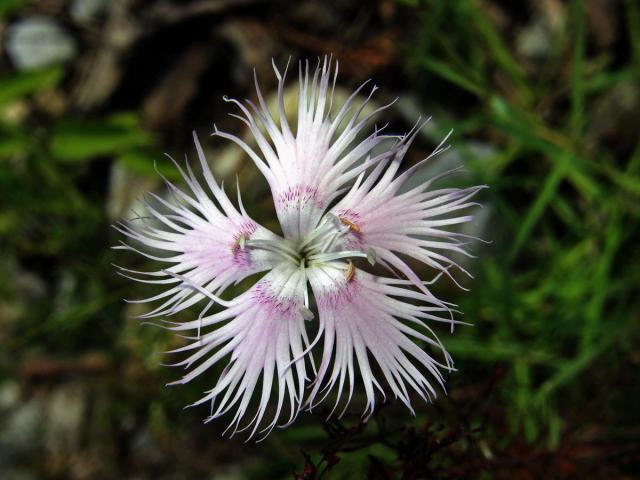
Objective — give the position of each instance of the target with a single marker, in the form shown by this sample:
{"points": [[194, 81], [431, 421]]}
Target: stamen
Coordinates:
{"points": [[328, 225], [280, 247], [371, 256], [320, 245], [352, 226], [307, 314], [328, 243], [239, 243], [303, 274], [327, 257], [351, 270]]}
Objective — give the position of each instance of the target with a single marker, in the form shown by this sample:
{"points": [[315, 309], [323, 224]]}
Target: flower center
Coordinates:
{"points": [[326, 243]]}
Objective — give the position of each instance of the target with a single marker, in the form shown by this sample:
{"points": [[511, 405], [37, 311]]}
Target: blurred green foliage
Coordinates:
{"points": [[556, 293]]}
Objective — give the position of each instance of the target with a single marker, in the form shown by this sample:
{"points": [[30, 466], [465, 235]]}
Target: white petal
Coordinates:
{"points": [[415, 223], [369, 316], [202, 240], [264, 338], [307, 171]]}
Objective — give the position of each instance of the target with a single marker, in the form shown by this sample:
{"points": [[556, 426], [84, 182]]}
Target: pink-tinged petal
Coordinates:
{"points": [[370, 317], [263, 336], [201, 236], [414, 223], [308, 169]]}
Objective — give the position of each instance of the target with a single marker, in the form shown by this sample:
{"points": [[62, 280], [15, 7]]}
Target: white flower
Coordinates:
{"points": [[337, 203]]}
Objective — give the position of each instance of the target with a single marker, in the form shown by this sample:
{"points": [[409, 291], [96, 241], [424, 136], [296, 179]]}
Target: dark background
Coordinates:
{"points": [[544, 97]]}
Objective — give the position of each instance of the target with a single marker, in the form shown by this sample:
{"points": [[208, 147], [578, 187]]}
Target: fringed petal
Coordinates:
{"points": [[265, 342], [200, 237], [370, 317], [307, 170], [415, 223]]}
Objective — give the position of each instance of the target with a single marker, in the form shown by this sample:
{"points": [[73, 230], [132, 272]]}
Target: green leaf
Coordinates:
{"points": [[633, 26], [499, 51], [26, 83], [546, 195], [446, 72], [12, 142], [148, 162], [75, 141], [577, 69], [9, 6]]}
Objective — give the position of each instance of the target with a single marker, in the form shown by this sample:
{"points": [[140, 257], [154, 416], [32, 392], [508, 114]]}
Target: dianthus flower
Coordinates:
{"points": [[341, 206]]}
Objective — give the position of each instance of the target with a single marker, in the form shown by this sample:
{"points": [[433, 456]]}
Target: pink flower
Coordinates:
{"points": [[338, 202]]}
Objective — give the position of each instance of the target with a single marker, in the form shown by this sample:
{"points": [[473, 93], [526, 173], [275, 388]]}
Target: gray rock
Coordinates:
{"points": [[534, 41], [126, 189], [85, 11], [21, 434], [19, 473], [38, 42], [65, 418], [9, 395]]}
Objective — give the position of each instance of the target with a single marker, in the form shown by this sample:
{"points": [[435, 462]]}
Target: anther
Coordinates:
{"points": [[352, 226], [371, 256], [306, 313], [351, 270], [240, 243]]}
